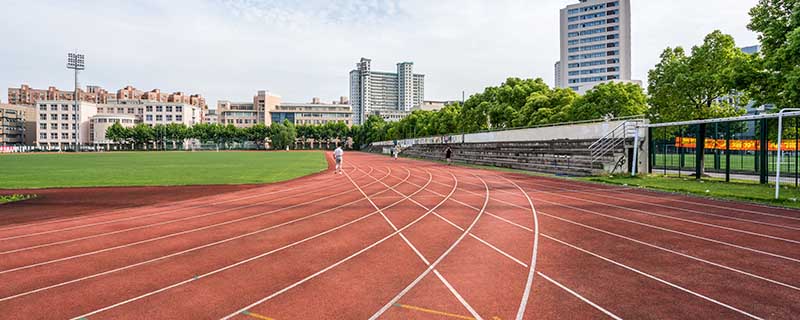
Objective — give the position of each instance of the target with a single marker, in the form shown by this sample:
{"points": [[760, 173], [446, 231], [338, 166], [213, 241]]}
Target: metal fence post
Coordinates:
{"points": [[763, 153]]}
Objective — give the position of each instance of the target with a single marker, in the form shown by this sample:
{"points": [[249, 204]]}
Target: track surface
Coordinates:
{"points": [[405, 239]]}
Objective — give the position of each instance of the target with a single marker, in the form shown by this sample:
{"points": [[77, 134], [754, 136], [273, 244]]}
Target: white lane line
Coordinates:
{"points": [[213, 213], [673, 252], [437, 261], [647, 275], [84, 316], [168, 235], [582, 298], [532, 269], [564, 190], [644, 243], [453, 291], [710, 225], [641, 192], [176, 253], [662, 229], [312, 276]]}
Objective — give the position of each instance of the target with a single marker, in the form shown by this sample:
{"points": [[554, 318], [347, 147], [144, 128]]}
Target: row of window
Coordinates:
{"points": [[593, 63], [104, 120], [142, 110], [593, 23], [55, 116], [592, 31], [593, 39], [594, 47], [55, 135], [54, 107], [593, 15], [594, 55], [593, 71], [594, 79], [54, 126], [159, 117], [240, 121], [593, 8]]}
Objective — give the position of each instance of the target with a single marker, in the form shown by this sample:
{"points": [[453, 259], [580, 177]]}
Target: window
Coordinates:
{"points": [[149, 117], [179, 109], [159, 117], [140, 110], [149, 108], [42, 135], [73, 117], [101, 110], [65, 126], [43, 126], [53, 135], [42, 107], [179, 118], [74, 127], [169, 108], [64, 117], [130, 110], [43, 116], [64, 107], [54, 107], [159, 109], [120, 110], [169, 117], [64, 135]]}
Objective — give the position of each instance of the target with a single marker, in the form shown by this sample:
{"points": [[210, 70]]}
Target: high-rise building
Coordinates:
{"points": [[557, 68], [384, 93], [595, 44]]}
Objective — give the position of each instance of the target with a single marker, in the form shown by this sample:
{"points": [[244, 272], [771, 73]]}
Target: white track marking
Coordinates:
{"points": [[177, 253], [589, 302], [644, 243], [664, 229], [169, 235], [453, 291], [531, 271], [564, 190], [647, 275], [437, 261], [238, 263], [213, 213], [702, 203], [312, 276], [673, 252]]}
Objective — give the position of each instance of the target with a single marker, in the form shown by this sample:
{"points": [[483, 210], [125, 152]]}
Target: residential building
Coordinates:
{"points": [[595, 44], [14, 124], [433, 105], [210, 116], [60, 124], [26, 95], [377, 92], [247, 114], [314, 113]]}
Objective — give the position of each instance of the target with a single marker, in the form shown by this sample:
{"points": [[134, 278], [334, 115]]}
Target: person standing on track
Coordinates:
{"points": [[447, 154], [337, 157], [396, 151]]}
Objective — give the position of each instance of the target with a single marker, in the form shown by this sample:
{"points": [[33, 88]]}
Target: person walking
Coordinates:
{"points": [[396, 151], [447, 154], [337, 157]]}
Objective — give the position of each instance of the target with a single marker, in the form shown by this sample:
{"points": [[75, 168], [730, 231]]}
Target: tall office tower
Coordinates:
{"points": [[595, 43], [389, 95]]}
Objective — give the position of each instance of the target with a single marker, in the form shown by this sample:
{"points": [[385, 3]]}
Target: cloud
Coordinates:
{"points": [[229, 49]]}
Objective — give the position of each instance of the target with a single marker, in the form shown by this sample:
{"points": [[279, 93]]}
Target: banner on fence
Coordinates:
{"points": [[736, 145]]}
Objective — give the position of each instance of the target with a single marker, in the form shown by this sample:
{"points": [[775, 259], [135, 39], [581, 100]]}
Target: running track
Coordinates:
{"points": [[406, 239]]}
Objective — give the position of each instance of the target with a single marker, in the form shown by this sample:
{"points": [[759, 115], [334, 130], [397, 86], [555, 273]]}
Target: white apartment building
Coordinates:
{"points": [[247, 114], [595, 44], [60, 124], [314, 113], [385, 93]]}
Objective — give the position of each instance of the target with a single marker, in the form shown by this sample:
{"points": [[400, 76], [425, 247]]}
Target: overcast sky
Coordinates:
{"points": [[229, 49]]}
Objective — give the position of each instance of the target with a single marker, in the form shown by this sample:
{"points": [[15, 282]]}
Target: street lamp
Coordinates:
{"points": [[75, 61]]}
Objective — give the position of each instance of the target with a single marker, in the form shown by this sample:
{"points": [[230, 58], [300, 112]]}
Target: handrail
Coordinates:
{"points": [[613, 139]]}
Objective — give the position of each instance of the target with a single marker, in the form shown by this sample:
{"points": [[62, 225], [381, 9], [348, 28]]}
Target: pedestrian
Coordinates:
{"points": [[337, 157], [396, 151], [447, 154]]}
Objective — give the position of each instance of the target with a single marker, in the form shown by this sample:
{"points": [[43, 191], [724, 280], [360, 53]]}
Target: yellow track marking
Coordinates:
{"points": [[452, 315], [256, 315]]}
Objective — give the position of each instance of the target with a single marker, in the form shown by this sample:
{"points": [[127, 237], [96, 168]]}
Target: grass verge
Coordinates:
{"points": [[15, 197]]}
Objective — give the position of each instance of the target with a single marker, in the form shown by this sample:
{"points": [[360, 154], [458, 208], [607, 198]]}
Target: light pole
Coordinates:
{"points": [[75, 61]]}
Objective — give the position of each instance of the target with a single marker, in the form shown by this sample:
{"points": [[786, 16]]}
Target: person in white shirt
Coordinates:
{"points": [[337, 156]]}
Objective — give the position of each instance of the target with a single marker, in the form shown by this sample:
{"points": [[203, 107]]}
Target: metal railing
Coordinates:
{"points": [[612, 140]]}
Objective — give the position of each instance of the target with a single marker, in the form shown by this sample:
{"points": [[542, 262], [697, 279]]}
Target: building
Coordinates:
{"points": [[247, 114], [25, 95], [314, 113], [752, 49], [557, 68], [15, 124], [430, 105], [210, 116], [384, 93], [59, 124], [595, 44]]}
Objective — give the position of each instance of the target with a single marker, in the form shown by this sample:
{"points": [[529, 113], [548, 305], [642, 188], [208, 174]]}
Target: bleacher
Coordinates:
{"points": [[562, 157]]}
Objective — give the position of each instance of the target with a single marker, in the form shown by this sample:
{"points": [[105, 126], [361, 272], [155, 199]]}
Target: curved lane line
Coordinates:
{"points": [[246, 260], [455, 185], [437, 261]]}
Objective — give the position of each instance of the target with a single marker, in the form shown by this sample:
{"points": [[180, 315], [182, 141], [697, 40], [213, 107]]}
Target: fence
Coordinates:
{"points": [[742, 147]]}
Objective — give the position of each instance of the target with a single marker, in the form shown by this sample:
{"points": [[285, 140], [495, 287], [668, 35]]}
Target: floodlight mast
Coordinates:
{"points": [[75, 61]]}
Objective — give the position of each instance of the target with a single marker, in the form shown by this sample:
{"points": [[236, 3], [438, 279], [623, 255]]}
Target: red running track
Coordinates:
{"points": [[406, 239]]}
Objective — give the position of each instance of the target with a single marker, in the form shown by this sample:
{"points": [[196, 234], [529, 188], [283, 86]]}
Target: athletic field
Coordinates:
{"points": [[51, 170]]}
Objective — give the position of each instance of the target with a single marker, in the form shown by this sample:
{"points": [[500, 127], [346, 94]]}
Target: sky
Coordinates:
{"points": [[229, 49]]}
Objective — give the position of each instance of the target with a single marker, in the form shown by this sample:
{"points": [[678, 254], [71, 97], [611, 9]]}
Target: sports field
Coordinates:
{"points": [[155, 168], [407, 239]]}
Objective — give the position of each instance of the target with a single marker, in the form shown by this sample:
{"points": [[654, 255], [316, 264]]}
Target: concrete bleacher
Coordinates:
{"points": [[563, 157]]}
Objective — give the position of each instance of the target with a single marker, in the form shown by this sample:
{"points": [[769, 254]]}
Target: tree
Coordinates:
{"points": [[690, 87], [777, 81], [141, 134], [283, 134], [609, 99], [118, 133]]}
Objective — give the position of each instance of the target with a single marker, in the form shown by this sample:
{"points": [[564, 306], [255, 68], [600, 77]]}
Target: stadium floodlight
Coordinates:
{"points": [[75, 61]]}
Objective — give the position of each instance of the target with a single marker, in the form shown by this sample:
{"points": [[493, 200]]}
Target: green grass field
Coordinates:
{"points": [[22, 171]]}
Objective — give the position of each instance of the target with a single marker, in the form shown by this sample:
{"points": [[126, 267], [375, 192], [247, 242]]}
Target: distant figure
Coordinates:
{"points": [[396, 151], [447, 154], [337, 156]]}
